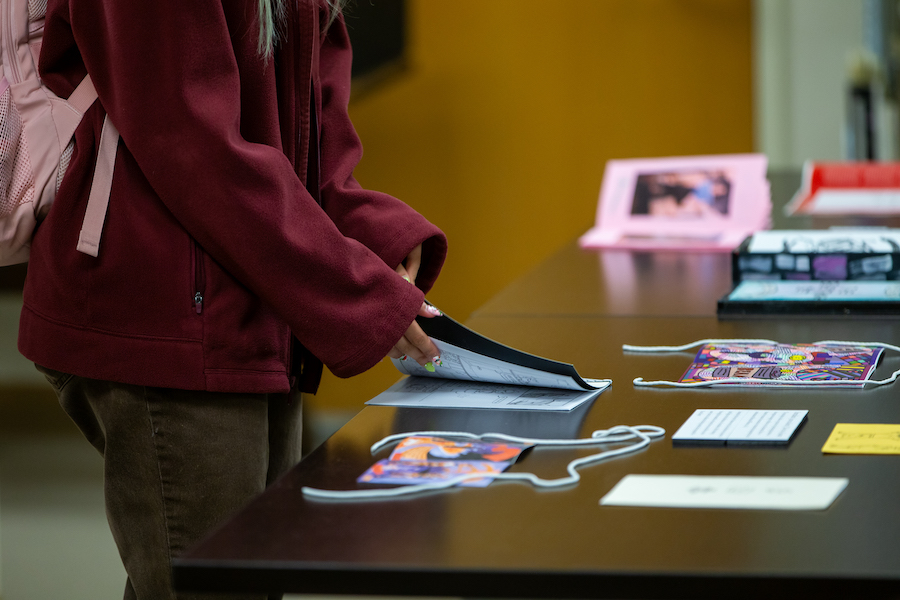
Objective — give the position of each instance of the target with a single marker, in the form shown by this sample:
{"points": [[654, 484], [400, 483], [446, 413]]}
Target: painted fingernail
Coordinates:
{"points": [[406, 277], [429, 367], [433, 310], [437, 361]]}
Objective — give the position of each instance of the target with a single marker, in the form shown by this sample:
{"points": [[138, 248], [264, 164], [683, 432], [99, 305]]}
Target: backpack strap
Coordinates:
{"points": [[95, 215], [98, 201], [83, 95]]}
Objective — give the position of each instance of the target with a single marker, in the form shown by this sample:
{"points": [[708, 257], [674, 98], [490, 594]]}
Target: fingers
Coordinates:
{"points": [[416, 345], [413, 262], [409, 269], [429, 310], [401, 270]]}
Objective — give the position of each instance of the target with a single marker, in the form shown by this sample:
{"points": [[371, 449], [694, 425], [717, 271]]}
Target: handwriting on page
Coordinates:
{"points": [[863, 438]]}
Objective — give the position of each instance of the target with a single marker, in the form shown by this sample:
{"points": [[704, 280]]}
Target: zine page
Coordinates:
{"points": [[477, 372], [469, 356], [422, 459], [771, 364], [816, 291], [434, 392], [462, 364], [828, 241]]}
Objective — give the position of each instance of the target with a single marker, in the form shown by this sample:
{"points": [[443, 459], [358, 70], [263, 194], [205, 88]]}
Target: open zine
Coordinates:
{"points": [[477, 372]]}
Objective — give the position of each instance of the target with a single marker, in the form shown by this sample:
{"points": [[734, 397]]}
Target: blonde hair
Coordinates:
{"points": [[272, 14]]}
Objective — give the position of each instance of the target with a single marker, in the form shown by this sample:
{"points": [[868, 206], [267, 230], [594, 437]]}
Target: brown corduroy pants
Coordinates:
{"points": [[176, 463]]}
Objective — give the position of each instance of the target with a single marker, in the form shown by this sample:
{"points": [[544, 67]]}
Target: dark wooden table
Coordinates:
{"points": [[579, 283], [511, 540]]}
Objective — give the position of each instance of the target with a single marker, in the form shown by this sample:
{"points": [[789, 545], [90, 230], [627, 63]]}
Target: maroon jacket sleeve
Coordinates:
{"points": [[370, 217], [172, 75]]}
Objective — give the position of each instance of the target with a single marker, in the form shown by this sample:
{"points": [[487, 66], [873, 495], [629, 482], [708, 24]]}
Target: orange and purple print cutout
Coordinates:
{"points": [[419, 459]]}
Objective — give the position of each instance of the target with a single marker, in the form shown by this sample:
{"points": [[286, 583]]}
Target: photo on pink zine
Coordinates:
{"points": [[709, 203]]}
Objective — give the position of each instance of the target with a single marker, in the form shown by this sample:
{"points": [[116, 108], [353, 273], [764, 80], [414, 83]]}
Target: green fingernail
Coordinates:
{"points": [[429, 367]]}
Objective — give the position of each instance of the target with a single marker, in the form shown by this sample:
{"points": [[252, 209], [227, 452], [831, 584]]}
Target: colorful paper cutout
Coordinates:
{"points": [[419, 459], [780, 362], [409, 472], [428, 447]]}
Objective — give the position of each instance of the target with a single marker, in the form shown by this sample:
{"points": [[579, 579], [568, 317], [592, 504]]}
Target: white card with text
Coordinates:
{"points": [[706, 491], [740, 426]]}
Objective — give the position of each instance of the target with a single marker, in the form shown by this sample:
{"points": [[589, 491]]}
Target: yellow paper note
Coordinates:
{"points": [[863, 438]]}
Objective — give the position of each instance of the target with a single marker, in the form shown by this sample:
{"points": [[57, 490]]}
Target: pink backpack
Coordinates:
{"points": [[36, 138]]}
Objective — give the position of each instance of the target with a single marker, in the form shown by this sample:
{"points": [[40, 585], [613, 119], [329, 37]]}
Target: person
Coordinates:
{"points": [[238, 256]]}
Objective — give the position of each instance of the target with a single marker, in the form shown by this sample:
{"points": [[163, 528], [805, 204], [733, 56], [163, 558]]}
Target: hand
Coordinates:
{"points": [[416, 344], [409, 268]]}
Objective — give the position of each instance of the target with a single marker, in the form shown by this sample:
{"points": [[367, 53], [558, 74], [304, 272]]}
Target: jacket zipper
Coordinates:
{"points": [[199, 277]]}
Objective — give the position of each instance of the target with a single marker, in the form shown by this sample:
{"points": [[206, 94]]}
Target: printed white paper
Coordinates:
{"points": [[817, 290], [703, 491], [801, 241], [843, 202], [732, 425], [450, 393], [459, 363]]}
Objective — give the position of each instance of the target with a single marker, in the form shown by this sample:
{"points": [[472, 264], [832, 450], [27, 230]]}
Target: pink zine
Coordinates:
{"points": [[707, 203]]}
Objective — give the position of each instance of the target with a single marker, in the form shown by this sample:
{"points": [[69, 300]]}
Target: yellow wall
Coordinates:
{"points": [[499, 130]]}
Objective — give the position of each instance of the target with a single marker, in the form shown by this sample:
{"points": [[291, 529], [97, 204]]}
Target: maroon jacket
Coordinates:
{"points": [[214, 253]]}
